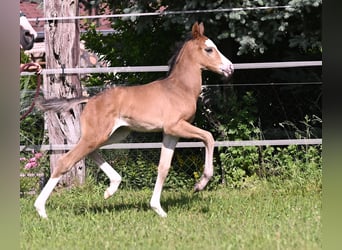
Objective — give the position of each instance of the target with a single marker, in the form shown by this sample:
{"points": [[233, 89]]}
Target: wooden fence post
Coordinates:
{"points": [[62, 51]]}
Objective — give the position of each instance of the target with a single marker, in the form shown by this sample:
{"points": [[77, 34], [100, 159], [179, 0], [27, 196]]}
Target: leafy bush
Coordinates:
{"points": [[296, 163], [240, 166]]}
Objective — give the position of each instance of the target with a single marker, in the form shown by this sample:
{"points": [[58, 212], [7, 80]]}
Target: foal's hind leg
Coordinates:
{"points": [[64, 164], [114, 177]]}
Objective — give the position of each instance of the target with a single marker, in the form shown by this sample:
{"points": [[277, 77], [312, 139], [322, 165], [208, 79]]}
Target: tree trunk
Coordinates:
{"points": [[62, 50]]}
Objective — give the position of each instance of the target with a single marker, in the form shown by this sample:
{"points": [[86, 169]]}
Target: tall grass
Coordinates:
{"points": [[264, 216]]}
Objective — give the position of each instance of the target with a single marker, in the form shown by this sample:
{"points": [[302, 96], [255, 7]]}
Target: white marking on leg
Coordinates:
{"points": [[169, 144], [44, 195], [155, 200], [114, 177]]}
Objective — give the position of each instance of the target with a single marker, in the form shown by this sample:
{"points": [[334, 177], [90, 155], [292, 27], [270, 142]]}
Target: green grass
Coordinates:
{"points": [[264, 216]]}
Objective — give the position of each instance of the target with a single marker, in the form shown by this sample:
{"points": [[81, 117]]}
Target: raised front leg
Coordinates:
{"points": [[169, 144], [186, 130]]}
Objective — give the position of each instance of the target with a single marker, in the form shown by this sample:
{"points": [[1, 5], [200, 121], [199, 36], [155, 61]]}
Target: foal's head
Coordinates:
{"points": [[205, 52]]}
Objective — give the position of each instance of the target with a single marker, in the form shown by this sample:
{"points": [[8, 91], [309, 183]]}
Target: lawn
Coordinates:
{"points": [[263, 216]]}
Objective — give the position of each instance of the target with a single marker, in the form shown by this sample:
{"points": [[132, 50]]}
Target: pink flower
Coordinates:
{"points": [[33, 159], [38, 155], [30, 165]]}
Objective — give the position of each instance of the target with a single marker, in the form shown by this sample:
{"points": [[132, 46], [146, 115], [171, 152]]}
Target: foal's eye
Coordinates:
{"points": [[208, 50]]}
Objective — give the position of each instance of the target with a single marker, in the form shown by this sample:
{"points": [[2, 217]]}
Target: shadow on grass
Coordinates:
{"points": [[169, 201]]}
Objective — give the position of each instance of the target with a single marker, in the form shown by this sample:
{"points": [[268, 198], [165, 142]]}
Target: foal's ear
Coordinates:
{"points": [[197, 30]]}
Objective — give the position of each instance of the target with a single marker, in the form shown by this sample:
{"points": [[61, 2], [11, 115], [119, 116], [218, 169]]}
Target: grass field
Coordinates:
{"points": [[264, 216]]}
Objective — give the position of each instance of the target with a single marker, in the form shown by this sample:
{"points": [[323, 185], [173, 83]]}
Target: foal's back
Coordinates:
{"points": [[143, 108]]}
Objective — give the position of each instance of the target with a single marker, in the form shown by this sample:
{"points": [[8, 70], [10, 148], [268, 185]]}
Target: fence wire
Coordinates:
{"points": [[161, 13]]}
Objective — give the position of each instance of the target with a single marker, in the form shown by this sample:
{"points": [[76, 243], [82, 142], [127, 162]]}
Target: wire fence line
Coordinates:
{"points": [[156, 145], [192, 144], [205, 86], [259, 84], [164, 68], [159, 13]]}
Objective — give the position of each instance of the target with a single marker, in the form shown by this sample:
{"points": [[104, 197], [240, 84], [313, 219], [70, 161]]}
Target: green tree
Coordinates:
{"points": [[255, 31]]}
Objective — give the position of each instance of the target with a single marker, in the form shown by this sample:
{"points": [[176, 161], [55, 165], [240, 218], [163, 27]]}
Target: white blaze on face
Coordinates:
{"points": [[226, 65], [210, 43]]}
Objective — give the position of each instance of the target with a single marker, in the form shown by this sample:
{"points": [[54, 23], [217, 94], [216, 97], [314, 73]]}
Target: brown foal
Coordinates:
{"points": [[166, 105]]}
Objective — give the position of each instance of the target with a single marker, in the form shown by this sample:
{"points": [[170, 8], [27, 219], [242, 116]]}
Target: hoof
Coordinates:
{"points": [[107, 194], [197, 188], [110, 191], [41, 211], [160, 212], [158, 209]]}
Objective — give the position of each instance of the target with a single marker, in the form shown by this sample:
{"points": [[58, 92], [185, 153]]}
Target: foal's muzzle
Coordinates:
{"points": [[227, 70], [26, 40]]}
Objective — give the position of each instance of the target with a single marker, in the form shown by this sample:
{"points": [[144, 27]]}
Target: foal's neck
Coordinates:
{"points": [[187, 75]]}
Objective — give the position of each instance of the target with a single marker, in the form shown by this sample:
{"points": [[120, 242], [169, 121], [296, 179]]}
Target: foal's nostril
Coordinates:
{"points": [[27, 33]]}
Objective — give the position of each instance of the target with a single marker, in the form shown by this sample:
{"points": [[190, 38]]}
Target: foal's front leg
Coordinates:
{"points": [[169, 144], [186, 130]]}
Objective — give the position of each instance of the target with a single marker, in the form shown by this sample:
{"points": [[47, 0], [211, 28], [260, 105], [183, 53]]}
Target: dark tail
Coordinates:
{"points": [[59, 104]]}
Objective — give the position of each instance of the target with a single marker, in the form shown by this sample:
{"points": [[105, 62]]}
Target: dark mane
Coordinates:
{"points": [[173, 59]]}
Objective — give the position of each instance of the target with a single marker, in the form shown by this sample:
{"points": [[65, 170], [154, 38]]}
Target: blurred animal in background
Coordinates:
{"points": [[27, 33], [27, 37]]}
